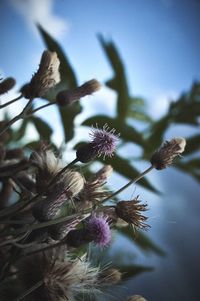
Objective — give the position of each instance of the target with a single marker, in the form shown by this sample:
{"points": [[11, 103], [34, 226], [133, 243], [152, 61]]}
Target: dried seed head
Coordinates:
{"points": [[68, 97], [110, 276], [68, 185], [130, 212], [99, 230], [45, 78], [6, 85], [63, 277], [103, 143], [136, 298], [164, 156]]}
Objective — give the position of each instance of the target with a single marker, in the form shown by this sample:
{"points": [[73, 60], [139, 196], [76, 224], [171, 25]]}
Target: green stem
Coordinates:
{"points": [[128, 184], [40, 108], [10, 102], [30, 290], [18, 117]]}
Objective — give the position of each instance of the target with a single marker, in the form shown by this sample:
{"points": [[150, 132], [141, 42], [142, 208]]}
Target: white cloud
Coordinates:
{"points": [[41, 11]]}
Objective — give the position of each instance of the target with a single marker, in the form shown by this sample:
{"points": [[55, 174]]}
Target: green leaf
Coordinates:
{"points": [[129, 271], [68, 81], [43, 129], [140, 239], [127, 133], [123, 167], [119, 82], [20, 132]]}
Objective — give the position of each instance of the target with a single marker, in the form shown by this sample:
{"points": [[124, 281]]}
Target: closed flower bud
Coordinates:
{"points": [[130, 212], [45, 78], [6, 85], [136, 298], [164, 156], [68, 97]]}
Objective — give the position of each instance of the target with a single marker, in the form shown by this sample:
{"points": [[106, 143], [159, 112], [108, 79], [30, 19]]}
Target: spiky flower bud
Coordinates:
{"points": [[68, 97], [164, 156], [136, 298], [130, 212], [45, 78], [103, 143], [110, 276], [6, 85]]}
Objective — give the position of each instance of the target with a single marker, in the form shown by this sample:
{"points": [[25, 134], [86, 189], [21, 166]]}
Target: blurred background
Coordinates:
{"points": [[147, 52]]}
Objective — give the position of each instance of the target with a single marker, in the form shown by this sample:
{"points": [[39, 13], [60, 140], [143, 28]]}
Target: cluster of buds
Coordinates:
{"points": [[65, 208]]}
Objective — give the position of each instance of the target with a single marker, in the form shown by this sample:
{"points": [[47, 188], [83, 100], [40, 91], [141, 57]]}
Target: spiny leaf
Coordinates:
{"points": [[119, 82], [43, 129], [68, 81]]}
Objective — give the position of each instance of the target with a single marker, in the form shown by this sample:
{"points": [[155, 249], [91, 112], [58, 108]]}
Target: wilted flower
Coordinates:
{"points": [[62, 277], [103, 143], [6, 85], [45, 78], [164, 156], [130, 212], [67, 97]]}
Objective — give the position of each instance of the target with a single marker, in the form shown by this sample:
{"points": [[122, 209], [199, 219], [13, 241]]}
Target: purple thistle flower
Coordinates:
{"points": [[99, 229], [104, 140]]}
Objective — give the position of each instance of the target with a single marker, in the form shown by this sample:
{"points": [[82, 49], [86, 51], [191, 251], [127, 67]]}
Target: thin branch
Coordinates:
{"points": [[10, 102]]}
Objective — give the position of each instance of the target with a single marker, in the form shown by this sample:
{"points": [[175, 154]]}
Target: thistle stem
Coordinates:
{"points": [[29, 291], [10, 102], [128, 184], [18, 117], [40, 108]]}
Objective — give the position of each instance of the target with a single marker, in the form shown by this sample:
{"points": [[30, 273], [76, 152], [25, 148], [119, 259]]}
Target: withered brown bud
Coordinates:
{"points": [[136, 298], [6, 85], [164, 156], [130, 212], [67, 97], [45, 78], [110, 276]]}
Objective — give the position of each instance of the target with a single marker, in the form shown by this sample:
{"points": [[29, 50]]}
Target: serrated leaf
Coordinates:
{"points": [[124, 168], [127, 133], [68, 81], [141, 240], [43, 128], [119, 82]]}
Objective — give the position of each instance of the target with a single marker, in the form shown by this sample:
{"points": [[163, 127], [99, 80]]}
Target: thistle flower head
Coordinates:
{"points": [[103, 143], [68, 97], [164, 156], [6, 85], [131, 212], [104, 140], [45, 78], [99, 230]]}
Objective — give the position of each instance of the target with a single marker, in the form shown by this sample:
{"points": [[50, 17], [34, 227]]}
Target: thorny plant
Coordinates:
{"points": [[58, 210]]}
